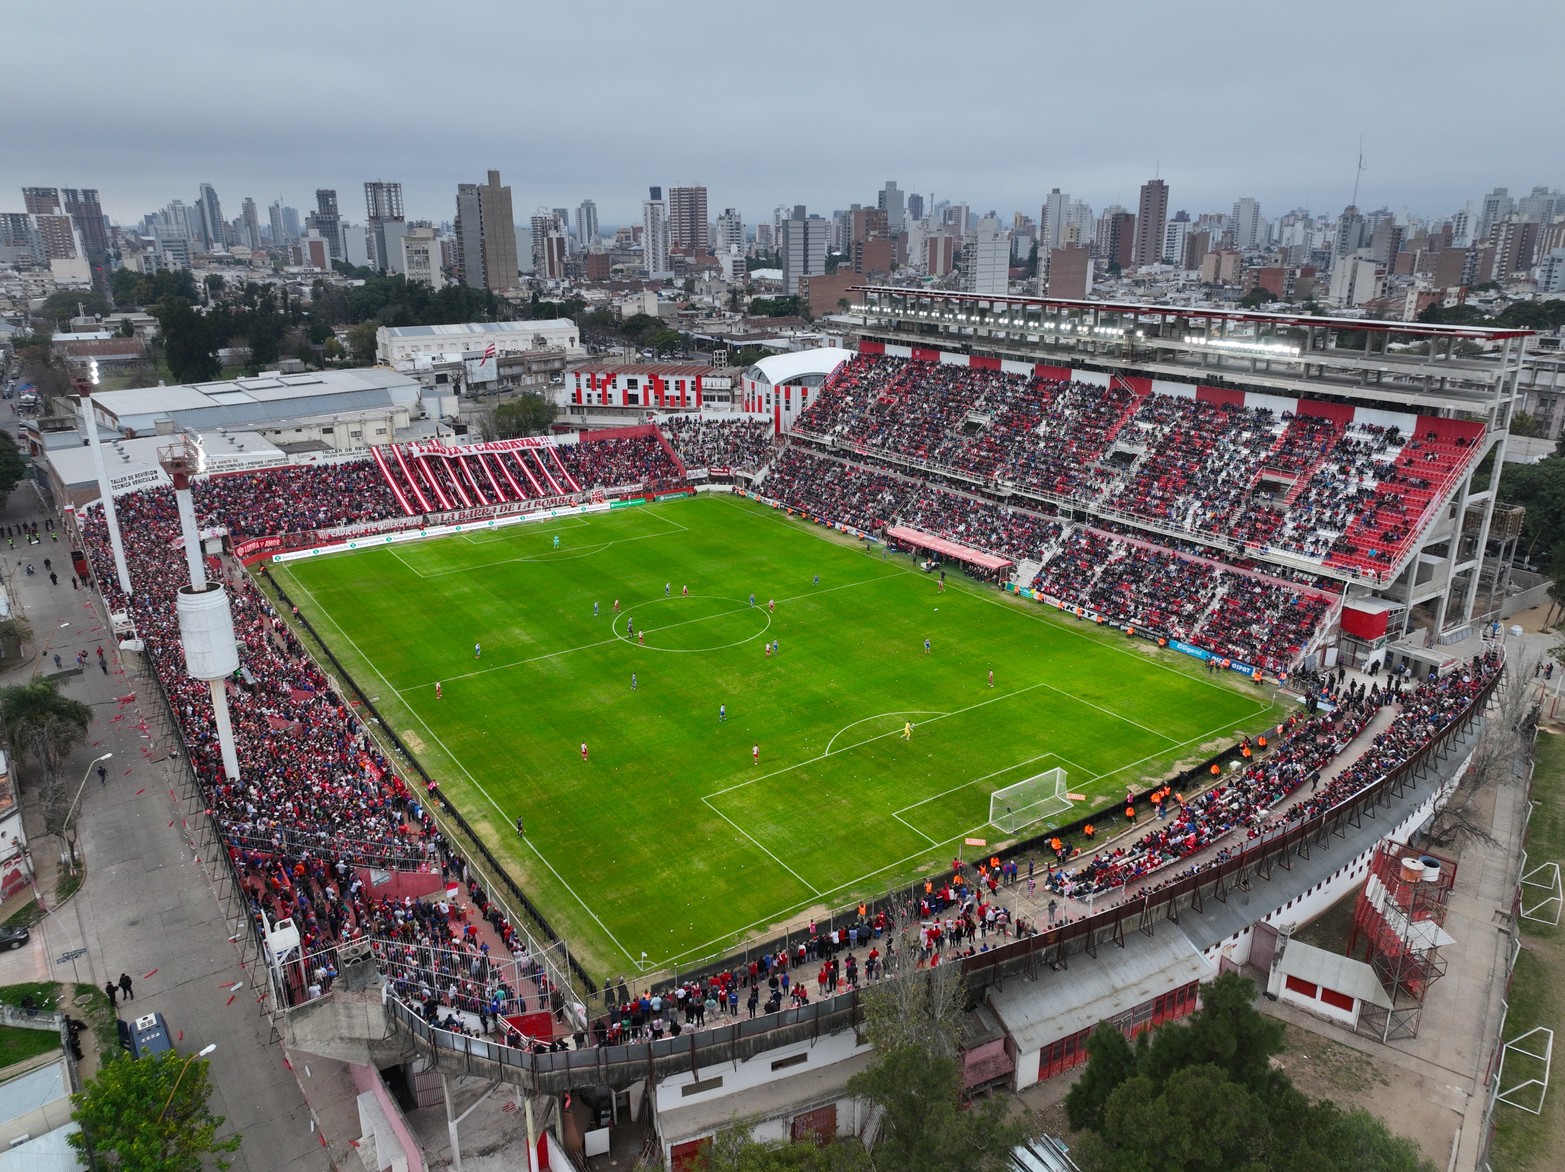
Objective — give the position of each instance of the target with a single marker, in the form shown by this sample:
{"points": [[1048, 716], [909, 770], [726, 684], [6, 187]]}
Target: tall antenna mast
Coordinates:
{"points": [[1358, 172]]}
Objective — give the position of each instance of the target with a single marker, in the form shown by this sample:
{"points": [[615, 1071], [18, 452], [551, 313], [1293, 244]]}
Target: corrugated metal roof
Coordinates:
{"points": [[479, 328], [1332, 970], [1037, 1013]]}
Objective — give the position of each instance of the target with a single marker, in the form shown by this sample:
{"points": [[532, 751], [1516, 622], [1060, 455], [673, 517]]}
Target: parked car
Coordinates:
{"points": [[148, 1034], [13, 938]]}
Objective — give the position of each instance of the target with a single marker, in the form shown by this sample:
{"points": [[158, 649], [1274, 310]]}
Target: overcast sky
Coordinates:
{"points": [[803, 102]]}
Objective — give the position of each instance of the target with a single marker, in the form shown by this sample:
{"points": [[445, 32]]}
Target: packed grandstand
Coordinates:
{"points": [[1055, 477]]}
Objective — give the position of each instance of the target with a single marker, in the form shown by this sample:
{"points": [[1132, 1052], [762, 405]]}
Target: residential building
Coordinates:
{"points": [[689, 231], [41, 201], [986, 258], [1174, 237], [1070, 272], [1247, 224], [1356, 281], [545, 222], [404, 347], [58, 233], [1115, 235], [587, 225], [1539, 207], [803, 246], [1515, 245], [485, 235], [249, 225], [274, 215], [421, 256], [890, 201], [81, 204], [1551, 272], [214, 233], [1225, 266], [1496, 206], [383, 205], [600, 266], [551, 252], [1051, 223], [326, 221], [940, 253], [874, 256], [1151, 220], [1197, 245], [915, 207], [730, 231], [1350, 233], [868, 223], [655, 242]]}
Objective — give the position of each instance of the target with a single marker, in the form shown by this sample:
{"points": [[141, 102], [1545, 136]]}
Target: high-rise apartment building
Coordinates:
{"points": [[274, 215], [915, 206], [586, 225], [803, 245], [499, 226], [1496, 206], [655, 234], [688, 228], [546, 226], [1350, 233], [1115, 236], [1051, 225], [469, 240], [250, 220], [1174, 237], [81, 204], [1247, 224], [383, 205], [421, 256], [890, 201], [1151, 222], [326, 221], [730, 231], [986, 258], [214, 233], [1070, 272], [41, 201]]}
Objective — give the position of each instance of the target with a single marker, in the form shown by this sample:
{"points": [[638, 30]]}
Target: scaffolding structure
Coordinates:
{"points": [[1400, 917]]}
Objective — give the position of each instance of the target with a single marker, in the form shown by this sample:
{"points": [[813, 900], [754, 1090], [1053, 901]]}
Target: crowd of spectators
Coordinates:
{"points": [[741, 445], [1251, 800], [296, 498], [1232, 615]]}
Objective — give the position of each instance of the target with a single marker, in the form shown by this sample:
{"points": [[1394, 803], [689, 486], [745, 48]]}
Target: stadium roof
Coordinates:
{"points": [[780, 369], [245, 402], [480, 327], [1143, 309]]}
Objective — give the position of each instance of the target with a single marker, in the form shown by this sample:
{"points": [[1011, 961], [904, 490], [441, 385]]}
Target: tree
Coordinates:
{"points": [[1523, 424], [915, 1076], [527, 414], [190, 341], [732, 1150], [1540, 489], [361, 342], [1204, 1095], [14, 632], [42, 728], [67, 303], [14, 466], [150, 1115], [1257, 297]]}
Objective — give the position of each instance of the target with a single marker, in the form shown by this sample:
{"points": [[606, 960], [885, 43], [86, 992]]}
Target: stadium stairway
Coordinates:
{"points": [[1027, 570]]}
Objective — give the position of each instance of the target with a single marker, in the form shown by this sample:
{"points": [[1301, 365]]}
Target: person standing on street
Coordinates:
{"points": [[125, 987], [112, 992]]}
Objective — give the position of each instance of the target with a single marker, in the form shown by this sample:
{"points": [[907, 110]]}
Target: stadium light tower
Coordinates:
{"points": [[206, 624]]}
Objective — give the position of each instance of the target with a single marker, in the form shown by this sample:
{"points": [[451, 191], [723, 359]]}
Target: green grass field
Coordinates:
{"points": [[670, 840]]}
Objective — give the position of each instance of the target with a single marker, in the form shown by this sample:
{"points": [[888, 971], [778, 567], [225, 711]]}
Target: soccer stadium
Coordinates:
{"points": [[1015, 637]]}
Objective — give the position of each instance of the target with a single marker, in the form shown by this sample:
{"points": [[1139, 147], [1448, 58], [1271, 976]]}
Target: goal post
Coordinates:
{"points": [[1042, 796]]}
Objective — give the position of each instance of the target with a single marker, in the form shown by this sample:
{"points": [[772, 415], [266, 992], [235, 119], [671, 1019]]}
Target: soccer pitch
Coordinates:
{"points": [[671, 839]]}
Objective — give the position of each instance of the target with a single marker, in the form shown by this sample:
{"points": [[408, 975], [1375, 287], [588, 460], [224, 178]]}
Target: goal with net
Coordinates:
{"points": [[1039, 797]]}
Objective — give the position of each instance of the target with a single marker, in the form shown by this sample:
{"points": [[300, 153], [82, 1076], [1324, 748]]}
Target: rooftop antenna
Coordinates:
{"points": [[1357, 173]]}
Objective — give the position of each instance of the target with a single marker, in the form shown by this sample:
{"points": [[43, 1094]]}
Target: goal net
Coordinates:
{"points": [[1026, 802]]}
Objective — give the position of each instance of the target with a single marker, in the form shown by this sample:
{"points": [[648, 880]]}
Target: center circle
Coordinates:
{"points": [[700, 622]]}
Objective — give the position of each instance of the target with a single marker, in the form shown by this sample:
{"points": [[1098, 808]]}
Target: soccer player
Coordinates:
{"points": [[632, 681], [926, 646], [722, 713], [817, 579], [520, 829], [594, 608], [755, 753], [991, 677], [584, 750], [556, 541], [752, 598], [667, 586], [771, 606], [478, 650], [641, 638], [616, 606], [630, 625], [907, 730], [438, 694], [685, 590]]}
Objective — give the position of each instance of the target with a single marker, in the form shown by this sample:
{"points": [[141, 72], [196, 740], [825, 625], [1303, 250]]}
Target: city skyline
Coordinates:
{"points": [[1288, 137]]}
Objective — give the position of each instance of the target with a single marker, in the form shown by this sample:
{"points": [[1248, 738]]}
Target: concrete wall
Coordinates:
{"points": [[381, 1118]]}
